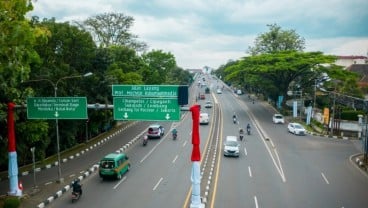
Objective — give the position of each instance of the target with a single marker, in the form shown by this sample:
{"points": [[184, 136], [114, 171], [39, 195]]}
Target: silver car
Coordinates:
{"points": [[296, 128], [155, 131]]}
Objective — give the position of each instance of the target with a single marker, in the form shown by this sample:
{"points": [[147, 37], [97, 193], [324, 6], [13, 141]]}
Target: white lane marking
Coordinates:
{"points": [[256, 201], [153, 149], [250, 171], [324, 177], [121, 181], [176, 157], [158, 183], [185, 143], [245, 151]]}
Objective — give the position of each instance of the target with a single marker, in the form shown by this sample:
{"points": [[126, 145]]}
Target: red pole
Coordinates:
{"points": [[12, 153], [11, 135], [196, 154]]}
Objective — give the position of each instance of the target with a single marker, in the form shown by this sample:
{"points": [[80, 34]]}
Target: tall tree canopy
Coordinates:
{"points": [[113, 29], [17, 38], [276, 40]]}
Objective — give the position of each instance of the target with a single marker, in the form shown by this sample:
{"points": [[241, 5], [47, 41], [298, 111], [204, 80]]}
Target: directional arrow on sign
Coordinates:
{"points": [[126, 115], [167, 116], [56, 114]]}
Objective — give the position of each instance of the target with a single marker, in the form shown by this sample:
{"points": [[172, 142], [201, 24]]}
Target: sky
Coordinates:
{"points": [[209, 33]]}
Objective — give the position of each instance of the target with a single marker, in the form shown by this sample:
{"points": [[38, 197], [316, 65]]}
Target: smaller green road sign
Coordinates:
{"points": [[154, 109], [57, 108], [145, 90]]}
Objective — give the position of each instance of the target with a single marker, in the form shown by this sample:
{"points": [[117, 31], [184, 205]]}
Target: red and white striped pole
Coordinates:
{"points": [[196, 158], [12, 153]]}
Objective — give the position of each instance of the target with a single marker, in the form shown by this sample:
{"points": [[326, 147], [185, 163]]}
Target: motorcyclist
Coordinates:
{"points": [[248, 128], [77, 187], [174, 133], [234, 118], [145, 139]]}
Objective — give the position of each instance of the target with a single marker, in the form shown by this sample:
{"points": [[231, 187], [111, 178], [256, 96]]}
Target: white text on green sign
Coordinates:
{"points": [[57, 108], [145, 90], [158, 109]]}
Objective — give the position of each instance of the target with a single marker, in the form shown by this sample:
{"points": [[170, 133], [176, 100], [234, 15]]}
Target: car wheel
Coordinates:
{"points": [[118, 176]]}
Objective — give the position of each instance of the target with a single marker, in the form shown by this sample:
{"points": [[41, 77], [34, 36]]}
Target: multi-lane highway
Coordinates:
{"points": [[274, 169]]}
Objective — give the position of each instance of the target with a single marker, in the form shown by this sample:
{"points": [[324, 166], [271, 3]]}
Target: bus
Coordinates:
{"points": [[114, 165]]}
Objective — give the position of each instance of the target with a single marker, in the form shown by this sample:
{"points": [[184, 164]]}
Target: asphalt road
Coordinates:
{"points": [[286, 170], [275, 168]]}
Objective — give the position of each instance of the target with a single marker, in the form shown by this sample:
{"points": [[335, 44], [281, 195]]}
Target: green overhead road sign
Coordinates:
{"points": [[145, 90], [155, 109], [57, 108]]}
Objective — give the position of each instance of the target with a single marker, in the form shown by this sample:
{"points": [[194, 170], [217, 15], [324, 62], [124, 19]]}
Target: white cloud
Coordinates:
{"points": [[210, 32]]}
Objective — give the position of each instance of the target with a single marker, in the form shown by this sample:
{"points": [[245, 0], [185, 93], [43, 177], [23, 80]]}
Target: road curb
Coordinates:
{"points": [[90, 170], [357, 163], [67, 187], [64, 160]]}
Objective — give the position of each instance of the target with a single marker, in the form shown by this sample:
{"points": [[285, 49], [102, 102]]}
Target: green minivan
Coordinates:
{"points": [[114, 165]]}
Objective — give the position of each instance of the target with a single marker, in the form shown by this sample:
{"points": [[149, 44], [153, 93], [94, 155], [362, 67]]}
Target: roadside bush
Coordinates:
{"points": [[12, 202], [351, 115]]}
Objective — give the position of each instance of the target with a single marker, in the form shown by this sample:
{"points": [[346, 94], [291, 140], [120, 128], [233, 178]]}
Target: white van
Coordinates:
{"points": [[204, 118], [231, 146]]}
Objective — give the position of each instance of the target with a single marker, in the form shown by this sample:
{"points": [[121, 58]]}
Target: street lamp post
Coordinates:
{"points": [[55, 85], [34, 167]]}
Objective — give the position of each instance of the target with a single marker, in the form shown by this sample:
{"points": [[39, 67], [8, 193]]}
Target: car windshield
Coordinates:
{"points": [[278, 117], [297, 126], [231, 143]]}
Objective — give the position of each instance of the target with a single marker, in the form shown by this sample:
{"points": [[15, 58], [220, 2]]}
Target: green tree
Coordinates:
{"points": [[276, 73], [277, 40], [113, 29], [67, 52], [17, 39], [158, 65]]}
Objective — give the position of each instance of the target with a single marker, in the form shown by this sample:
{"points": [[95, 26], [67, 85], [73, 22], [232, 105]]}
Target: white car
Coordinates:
{"points": [[296, 129], [219, 91], [208, 104], [278, 118], [204, 118], [231, 146]]}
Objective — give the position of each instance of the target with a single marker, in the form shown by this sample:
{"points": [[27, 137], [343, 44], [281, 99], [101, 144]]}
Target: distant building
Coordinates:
{"points": [[347, 61], [362, 70]]}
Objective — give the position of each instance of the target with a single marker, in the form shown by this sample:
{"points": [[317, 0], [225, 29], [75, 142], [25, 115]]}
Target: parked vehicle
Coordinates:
{"points": [[114, 165]]}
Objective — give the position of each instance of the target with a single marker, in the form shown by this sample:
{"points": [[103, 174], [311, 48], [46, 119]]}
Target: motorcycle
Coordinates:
{"points": [[175, 135], [234, 120], [145, 140], [248, 131], [76, 195], [241, 134]]}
